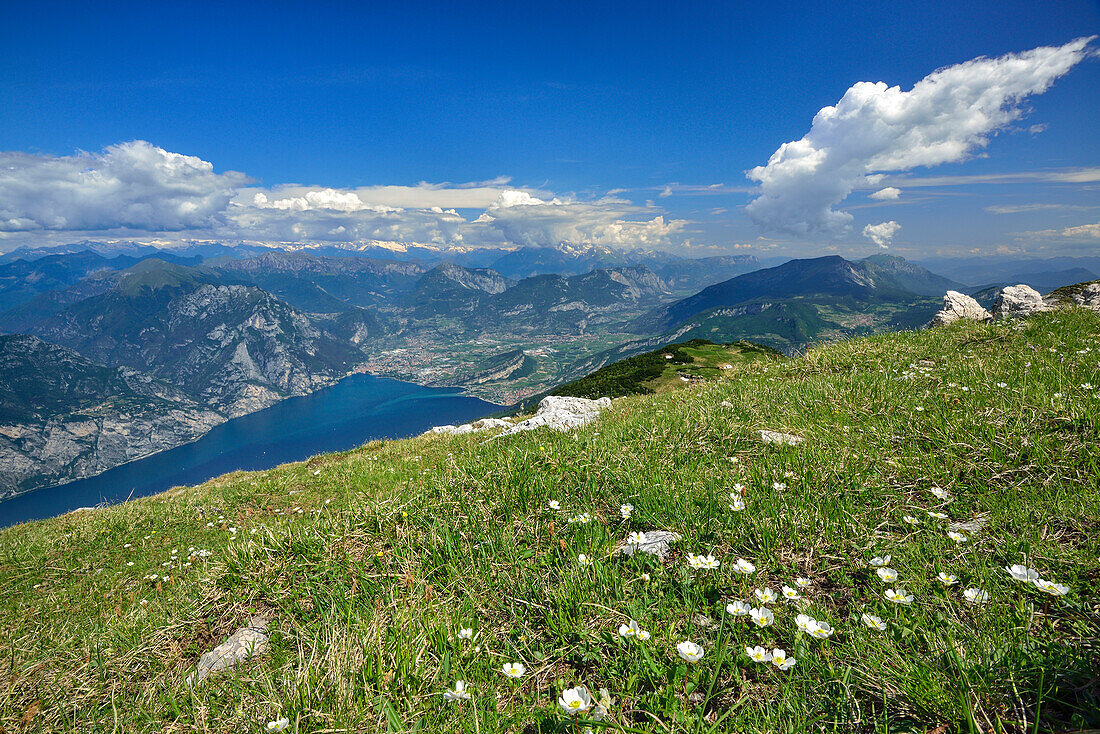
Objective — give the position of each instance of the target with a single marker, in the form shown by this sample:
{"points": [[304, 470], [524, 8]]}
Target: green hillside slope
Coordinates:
{"points": [[369, 563]]}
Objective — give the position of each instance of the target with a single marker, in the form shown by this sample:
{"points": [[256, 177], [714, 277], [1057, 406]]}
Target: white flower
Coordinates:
{"points": [[765, 596], [645, 577], [513, 670], [941, 493], [957, 537], [804, 622], [738, 488], [555, 505], [1023, 573], [1002, 384], [898, 596], [781, 661], [458, 693], [636, 538], [689, 651], [736, 503], [792, 594], [762, 616], [629, 630], [466, 633], [758, 654], [779, 486], [976, 596], [584, 560], [279, 724], [745, 567], [873, 622], [947, 579], [584, 518], [820, 630], [802, 583], [1051, 587], [703, 563], [879, 561], [888, 575], [737, 609], [911, 520], [575, 700], [626, 510], [937, 515]]}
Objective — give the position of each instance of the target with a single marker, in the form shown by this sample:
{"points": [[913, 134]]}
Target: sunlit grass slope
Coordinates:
{"points": [[370, 562]]}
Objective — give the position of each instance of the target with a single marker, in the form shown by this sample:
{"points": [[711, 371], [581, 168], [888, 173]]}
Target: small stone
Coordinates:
{"points": [[783, 439], [243, 644], [970, 526], [657, 543]]}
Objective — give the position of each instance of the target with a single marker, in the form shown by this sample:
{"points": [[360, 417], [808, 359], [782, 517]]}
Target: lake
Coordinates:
{"points": [[357, 409]]}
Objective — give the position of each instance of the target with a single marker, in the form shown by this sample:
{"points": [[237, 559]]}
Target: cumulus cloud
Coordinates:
{"points": [[882, 233], [136, 187], [875, 128], [133, 185], [887, 194], [526, 220], [1079, 232]]}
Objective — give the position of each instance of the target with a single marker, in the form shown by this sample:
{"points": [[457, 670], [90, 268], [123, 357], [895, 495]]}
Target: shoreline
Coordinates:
{"points": [[454, 391]]}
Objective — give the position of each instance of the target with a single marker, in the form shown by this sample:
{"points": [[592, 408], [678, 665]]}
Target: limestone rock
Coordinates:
{"points": [[484, 424], [783, 439], [1085, 295], [243, 644], [657, 543], [958, 306], [561, 414], [970, 526], [1017, 300]]}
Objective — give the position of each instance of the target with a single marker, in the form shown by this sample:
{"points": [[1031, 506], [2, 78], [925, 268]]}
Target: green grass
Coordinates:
{"points": [[660, 369], [370, 561]]}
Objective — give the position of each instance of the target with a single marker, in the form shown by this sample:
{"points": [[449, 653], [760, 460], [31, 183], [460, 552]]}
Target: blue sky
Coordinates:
{"points": [[599, 115]]}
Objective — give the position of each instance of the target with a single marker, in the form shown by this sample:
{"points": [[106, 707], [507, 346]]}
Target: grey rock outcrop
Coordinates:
{"points": [[958, 306], [561, 414], [245, 643], [484, 424], [1017, 301], [1083, 295]]}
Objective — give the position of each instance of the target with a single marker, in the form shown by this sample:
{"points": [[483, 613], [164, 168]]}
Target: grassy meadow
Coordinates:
{"points": [[370, 563]]}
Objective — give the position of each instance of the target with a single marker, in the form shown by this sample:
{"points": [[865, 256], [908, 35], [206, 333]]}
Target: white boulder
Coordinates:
{"points": [[1018, 300], [958, 306]]}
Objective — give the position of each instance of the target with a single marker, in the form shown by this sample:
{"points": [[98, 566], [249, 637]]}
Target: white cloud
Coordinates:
{"points": [[882, 233], [887, 194], [875, 128], [1020, 208], [1091, 231], [132, 185], [525, 220], [137, 187]]}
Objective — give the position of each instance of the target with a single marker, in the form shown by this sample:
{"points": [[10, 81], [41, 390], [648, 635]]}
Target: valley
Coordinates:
{"points": [[223, 333]]}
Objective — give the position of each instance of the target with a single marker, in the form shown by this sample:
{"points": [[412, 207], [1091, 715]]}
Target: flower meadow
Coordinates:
{"points": [[900, 570]]}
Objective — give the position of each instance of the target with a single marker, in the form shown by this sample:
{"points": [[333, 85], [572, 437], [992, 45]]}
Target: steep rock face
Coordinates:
{"points": [[1017, 300], [958, 306], [63, 417], [235, 347]]}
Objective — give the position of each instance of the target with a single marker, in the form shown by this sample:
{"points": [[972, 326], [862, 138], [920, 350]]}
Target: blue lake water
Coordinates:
{"points": [[357, 409]]}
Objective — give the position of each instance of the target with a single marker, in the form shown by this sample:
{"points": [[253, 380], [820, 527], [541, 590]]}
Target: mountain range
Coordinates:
{"points": [[221, 335]]}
